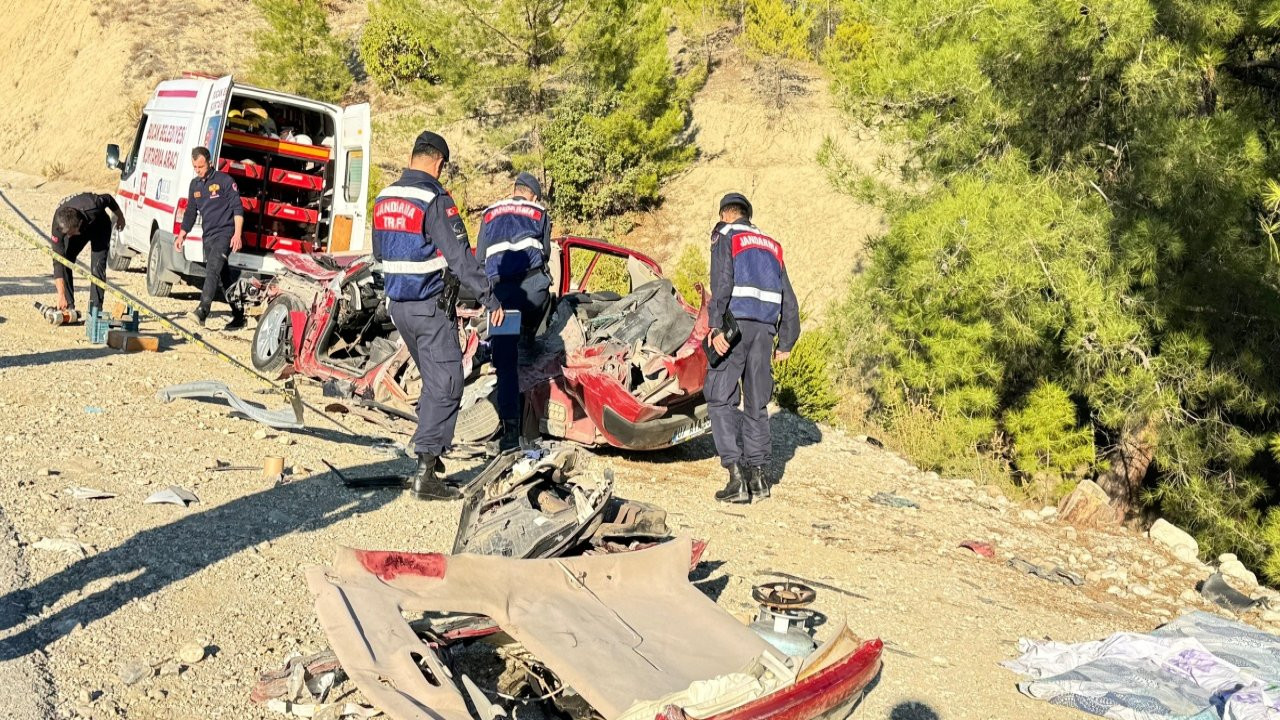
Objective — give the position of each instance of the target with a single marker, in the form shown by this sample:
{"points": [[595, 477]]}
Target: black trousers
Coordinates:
{"points": [[530, 296], [99, 243], [218, 274], [745, 376], [432, 340]]}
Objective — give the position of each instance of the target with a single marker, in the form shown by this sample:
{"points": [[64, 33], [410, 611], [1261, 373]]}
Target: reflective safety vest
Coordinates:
{"points": [[757, 273], [512, 242], [412, 265]]}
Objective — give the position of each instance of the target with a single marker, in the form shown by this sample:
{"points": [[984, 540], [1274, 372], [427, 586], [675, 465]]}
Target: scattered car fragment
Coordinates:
{"points": [[289, 418], [625, 371], [621, 636]]}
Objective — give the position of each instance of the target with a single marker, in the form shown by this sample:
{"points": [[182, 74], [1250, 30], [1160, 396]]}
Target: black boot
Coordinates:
{"points": [[735, 491], [426, 483], [510, 439], [237, 320], [757, 484]]}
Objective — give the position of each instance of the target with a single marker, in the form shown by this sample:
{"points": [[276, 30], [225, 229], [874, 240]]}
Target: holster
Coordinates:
{"points": [[448, 301]]}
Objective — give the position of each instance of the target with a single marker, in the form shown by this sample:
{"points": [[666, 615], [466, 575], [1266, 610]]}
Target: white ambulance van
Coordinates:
{"points": [[302, 167]]}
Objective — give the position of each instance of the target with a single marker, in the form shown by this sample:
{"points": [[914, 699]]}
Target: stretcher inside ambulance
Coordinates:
{"points": [[301, 167]]}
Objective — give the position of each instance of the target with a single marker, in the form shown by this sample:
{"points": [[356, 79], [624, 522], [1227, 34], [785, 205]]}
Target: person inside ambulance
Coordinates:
{"points": [[213, 195], [82, 220]]}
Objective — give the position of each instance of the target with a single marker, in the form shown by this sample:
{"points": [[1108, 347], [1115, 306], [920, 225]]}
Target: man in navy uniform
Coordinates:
{"points": [[749, 279], [215, 197], [418, 237], [514, 242], [83, 220]]}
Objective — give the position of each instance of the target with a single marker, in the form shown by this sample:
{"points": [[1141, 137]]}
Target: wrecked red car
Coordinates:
{"points": [[621, 636], [620, 360]]}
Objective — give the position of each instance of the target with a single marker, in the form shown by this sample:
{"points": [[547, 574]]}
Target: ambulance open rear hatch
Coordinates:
{"points": [[301, 167]]}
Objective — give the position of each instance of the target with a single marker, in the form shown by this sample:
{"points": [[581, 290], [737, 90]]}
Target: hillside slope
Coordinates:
{"points": [[771, 155]]}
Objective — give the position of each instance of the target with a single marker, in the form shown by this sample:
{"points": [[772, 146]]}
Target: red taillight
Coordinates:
{"points": [[177, 215]]}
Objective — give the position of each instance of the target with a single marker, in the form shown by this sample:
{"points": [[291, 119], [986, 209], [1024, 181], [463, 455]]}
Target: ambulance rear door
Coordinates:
{"points": [[351, 181]]}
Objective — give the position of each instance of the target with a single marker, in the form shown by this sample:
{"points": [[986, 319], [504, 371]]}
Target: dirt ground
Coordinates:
{"points": [[226, 573]]}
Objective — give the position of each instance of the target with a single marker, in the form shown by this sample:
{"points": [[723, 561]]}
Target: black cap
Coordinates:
{"points": [[527, 180], [429, 139], [734, 198]]}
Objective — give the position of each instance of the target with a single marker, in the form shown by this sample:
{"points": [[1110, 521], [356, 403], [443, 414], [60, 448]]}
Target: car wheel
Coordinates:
{"points": [[156, 285], [272, 347], [117, 256], [478, 421]]}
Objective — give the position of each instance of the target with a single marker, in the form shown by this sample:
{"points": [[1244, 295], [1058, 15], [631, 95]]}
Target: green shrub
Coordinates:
{"points": [[775, 29], [803, 382], [297, 53], [397, 44], [1049, 447], [691, 268]]}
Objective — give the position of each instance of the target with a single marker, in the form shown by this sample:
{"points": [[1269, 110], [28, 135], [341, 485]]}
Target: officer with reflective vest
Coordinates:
{"points": [[749, 280], [418, 237], [514, 242]]}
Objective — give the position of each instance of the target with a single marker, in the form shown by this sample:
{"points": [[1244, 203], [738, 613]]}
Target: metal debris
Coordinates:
{"points": [[172, 495]]}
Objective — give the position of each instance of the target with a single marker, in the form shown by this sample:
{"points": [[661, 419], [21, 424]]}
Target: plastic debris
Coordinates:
{"points": [[70, 546], [1054, 574], [88, 493], [985, 549], [891, 500], [173, 495]]}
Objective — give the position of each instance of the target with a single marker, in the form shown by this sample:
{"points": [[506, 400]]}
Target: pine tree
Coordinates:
{"points": [[1097, 220], [297, 53], [774, 29]]}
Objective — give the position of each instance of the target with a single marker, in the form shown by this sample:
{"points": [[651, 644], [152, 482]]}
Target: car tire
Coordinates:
{"points": [[272, 347], [478, 421], [118, 257], [156, 271]]}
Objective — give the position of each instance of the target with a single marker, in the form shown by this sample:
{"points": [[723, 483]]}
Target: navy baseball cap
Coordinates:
{"points": [[429, 139], [734, 198], [527, 180]]}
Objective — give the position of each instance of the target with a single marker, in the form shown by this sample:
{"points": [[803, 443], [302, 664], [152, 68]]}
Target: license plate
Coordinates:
{"points": [[690, 431]]}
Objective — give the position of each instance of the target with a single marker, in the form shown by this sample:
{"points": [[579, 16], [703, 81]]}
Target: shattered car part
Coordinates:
{"points": [[536, 503], [784, 619], [289, 418], [627, 633], [172, 495]]}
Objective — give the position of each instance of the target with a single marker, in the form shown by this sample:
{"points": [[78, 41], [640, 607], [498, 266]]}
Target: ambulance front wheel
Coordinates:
{"points": [[118, 256], [157, 286]]}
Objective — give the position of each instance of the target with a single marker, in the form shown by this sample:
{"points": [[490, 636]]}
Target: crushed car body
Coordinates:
{"points": [[618, 370], [620, 636]]}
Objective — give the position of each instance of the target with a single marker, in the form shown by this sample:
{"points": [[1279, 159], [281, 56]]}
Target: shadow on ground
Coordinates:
{"points": [[154, 559]]}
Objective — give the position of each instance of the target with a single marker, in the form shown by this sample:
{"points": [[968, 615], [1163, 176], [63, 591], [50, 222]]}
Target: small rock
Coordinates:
{"points": [[1236, 570], [1030, 516], [1271, 616], [191, 653], [1227, 557], [1141, 591], [1161, 612], [1048, 512], [1174, 538], [1071, 533], [46, 472], [134, 671], [1190, 597], [260, 434], [286, 440], [157, 694], [1115, 590], [171, 669], [1087, 506], [940, 661]]}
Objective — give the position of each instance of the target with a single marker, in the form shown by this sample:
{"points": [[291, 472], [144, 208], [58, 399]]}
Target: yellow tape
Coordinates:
{"points": [[288, 391]]}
